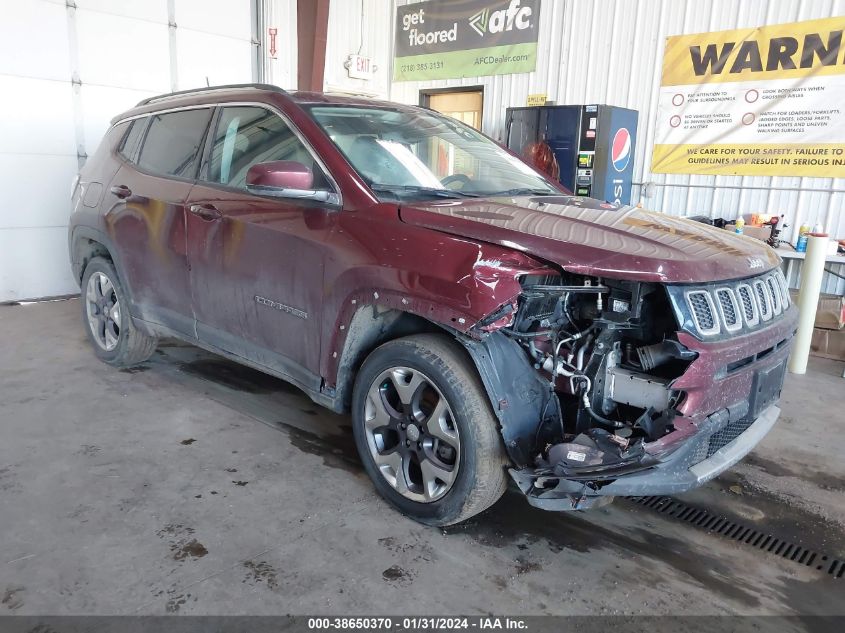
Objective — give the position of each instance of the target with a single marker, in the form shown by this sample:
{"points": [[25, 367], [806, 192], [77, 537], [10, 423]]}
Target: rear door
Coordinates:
{"points": [[145, 213], [256, 262]]}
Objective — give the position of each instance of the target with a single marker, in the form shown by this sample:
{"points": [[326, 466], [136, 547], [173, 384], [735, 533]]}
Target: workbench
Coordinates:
{"points": [[790, 256]]}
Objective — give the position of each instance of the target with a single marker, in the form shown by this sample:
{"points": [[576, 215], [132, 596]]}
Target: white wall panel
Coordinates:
{"points": [[120, 52], [213, 42], [25, 255], [611, 51], [40, 123], [222, 60], [101, 104], [359, 27], [36, 188], [281, 69], [147, 10], [24, 54], [219, 17]]}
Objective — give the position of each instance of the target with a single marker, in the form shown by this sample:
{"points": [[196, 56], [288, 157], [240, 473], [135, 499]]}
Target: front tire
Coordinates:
{"points": [[105, 314], [426, 432]]}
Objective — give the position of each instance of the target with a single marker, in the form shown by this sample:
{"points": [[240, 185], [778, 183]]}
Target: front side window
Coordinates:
{"points": [[248, 135], [411, 154], [173, 142]]}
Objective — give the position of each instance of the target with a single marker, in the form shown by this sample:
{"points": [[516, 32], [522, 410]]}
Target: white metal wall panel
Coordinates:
{"points": [[213, 42], [359, 27], [118, 51], [281, 69], [148, 10], [37, 148], [218, 17], [22, 54], [611, 51], [100, 104], [123, 56], [122, 52], [209, 59]]}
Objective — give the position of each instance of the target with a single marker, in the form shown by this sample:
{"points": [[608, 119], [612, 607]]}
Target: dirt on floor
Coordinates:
{"points": [[193, 485]]}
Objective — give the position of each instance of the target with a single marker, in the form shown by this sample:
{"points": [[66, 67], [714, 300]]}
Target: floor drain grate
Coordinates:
{"points": [[742, 533]]}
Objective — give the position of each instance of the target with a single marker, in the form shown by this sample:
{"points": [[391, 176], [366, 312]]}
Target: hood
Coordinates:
{"points": [[589, 237]]}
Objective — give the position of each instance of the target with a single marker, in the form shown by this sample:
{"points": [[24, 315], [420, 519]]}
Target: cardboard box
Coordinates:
{"points": [[761, 233], [830, 311], [828, 344], [830, 314]]}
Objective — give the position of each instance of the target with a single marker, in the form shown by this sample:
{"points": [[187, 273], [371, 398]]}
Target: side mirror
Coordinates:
{"points": [[280, 174], [285, 179]]}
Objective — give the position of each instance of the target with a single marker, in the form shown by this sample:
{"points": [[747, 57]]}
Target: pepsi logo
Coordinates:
{"points": [[620, 150]]}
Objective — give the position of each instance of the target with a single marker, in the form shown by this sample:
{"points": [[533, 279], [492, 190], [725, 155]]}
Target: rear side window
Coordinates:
{"points": [[173, 142], [247, 135], [129, 146]]}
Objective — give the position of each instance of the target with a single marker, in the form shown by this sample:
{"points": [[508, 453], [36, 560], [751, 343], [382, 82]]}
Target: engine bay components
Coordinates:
{"points": [[638, 390], [605, 357]]}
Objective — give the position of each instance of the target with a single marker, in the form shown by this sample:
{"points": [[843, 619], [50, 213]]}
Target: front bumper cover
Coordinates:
{"points": [[685, 468]]}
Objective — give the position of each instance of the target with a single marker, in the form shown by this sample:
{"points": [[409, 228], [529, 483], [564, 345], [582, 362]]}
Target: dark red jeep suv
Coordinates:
{"points": [[478, 321]]}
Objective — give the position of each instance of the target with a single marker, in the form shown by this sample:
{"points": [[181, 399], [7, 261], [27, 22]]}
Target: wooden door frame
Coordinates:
{"points": [[426, 93]]}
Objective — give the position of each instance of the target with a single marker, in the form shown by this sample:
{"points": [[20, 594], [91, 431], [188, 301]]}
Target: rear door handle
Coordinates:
{"points": [[121, 191], [205, 211]]}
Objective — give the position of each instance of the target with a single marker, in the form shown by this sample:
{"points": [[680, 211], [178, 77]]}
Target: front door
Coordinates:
{"points": [[256, 262]]}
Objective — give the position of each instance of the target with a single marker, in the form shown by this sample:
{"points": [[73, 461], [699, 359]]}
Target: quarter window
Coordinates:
{"points": [[173, 142], [248, 135], [129, 146]]}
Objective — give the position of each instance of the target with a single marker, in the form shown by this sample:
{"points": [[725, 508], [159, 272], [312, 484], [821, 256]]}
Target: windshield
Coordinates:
{"points": [[417, 154]]}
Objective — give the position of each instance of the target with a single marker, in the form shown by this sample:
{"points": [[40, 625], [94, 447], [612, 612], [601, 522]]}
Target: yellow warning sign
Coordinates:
{"points": [[762, 101]]}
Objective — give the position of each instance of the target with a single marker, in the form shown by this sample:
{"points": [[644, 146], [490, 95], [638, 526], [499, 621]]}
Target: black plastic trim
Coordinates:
{"points": [[518, 395]]}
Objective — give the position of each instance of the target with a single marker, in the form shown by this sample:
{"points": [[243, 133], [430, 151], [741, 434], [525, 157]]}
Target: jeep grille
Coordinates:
{"points": [[734, 306]]}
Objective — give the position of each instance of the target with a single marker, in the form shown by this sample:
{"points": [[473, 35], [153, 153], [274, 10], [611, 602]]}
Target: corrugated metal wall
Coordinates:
{"points": [[611, 51], [359, 27]]}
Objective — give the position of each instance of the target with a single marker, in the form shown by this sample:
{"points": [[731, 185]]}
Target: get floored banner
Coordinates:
{"points": [[765, 101], [446, 39]]}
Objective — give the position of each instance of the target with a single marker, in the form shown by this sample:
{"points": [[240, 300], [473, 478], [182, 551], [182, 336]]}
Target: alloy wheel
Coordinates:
{"points": [[103, 310], [411, 434]]}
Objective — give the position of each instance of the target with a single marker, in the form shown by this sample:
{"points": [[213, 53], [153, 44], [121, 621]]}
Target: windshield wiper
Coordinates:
{"points": [[415, 189], [525, 192]]}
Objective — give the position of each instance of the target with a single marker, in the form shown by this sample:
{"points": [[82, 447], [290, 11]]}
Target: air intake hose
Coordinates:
{"points": [[652, 356]]}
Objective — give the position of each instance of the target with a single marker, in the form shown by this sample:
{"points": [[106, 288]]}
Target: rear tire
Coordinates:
{"points": [[105, 314], [426, 432]]}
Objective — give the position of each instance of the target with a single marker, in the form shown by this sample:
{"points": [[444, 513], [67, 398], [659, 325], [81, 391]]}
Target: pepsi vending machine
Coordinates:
{"points": [[589, 149]]}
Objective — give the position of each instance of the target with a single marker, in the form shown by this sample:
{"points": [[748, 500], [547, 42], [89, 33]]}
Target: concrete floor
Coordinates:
{"points": [[193, 485]]}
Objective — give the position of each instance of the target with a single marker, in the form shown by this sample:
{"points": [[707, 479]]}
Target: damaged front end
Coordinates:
{"points": [[603, 388]]}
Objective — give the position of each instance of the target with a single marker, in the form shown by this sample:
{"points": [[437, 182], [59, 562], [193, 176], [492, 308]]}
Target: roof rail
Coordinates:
{"points": [[208, 89]]}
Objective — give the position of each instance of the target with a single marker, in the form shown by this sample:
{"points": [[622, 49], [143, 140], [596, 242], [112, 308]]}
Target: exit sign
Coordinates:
{"points": [[359, 67]]}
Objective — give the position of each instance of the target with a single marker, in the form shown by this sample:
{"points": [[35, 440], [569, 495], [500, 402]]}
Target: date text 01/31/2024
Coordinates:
{"points": [[416, 623]]}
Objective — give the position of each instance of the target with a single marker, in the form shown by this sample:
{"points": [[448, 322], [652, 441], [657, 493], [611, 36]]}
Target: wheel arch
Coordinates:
{"points": [[87, 243], [373, 325], [521, 399], [84, 250]]}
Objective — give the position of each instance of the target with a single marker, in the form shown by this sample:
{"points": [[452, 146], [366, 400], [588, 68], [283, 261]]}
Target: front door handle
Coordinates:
{"points": [[121, 191], [206, 211]]}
